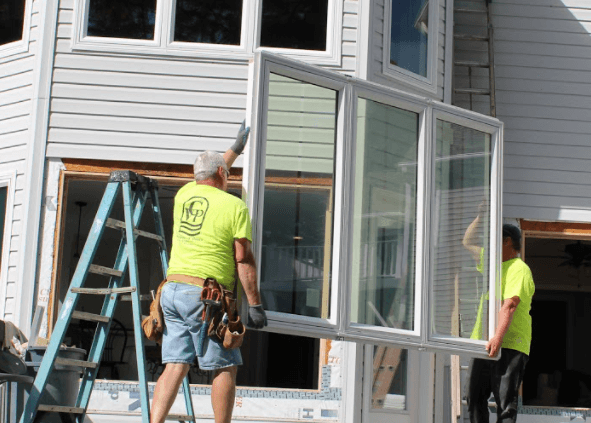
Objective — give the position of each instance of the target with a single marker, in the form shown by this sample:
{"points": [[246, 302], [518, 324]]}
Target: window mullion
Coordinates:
{"points": [[165, 21]]}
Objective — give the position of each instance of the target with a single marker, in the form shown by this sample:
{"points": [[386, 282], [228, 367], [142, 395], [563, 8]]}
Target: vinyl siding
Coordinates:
{"points": [[543, 80], [376, 72], [16, 103], [154, 109]]}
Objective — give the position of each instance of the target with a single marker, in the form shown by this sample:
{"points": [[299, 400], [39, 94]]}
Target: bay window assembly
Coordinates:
{"points": [[371, 191]]}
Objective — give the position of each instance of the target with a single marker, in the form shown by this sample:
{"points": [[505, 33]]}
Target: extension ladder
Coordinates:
{"points": [[136, 190]]}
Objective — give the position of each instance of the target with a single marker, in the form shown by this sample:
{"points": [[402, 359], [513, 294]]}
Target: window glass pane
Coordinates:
{"points": [[208, 21], [389, 382], [384, 216], [461, 225], [12, 16], [298, 200], [297, 24], [3, 195], [122, 19], [409, 35]]}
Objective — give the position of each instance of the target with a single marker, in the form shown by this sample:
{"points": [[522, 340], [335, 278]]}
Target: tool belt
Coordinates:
{"points": [[153, 324], [220, 316]]}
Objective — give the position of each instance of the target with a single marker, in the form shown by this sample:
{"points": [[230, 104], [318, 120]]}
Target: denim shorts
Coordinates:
{"points": [[182, 308]]}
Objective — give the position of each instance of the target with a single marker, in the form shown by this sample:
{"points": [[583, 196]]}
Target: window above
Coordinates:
{"points": [[410, 42], [14, 26], [211, 28]]}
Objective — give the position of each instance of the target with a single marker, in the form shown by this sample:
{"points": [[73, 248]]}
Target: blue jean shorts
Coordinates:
{"points": [[182, 308]]}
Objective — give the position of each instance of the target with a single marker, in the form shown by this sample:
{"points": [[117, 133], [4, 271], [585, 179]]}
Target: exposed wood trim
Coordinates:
{"points": [[564, 228], [57, 256]]}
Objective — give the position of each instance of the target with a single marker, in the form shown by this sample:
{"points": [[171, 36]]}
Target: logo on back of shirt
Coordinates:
{"points": [[194, 211]]}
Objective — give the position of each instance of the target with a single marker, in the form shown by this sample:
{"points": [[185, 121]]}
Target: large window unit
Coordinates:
{"points": [[392, 182], [228, 29]]}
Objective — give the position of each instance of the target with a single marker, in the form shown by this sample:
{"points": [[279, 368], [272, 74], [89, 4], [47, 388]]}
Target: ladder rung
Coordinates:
{"points": [[462, 10], [143, 297], [61, 409], [471, 64], [103, 291], [477, 91], [469, 37], [75, 363], [118, 224], [90, 316], [106, 271], [180, 417]]}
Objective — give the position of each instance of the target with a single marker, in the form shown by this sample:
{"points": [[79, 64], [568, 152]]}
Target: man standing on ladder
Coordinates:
{"points": [[211, 238], [513, 338]]}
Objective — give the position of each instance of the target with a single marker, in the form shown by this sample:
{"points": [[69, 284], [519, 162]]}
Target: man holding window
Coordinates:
{"points": [[513, 338], [211, 238]]}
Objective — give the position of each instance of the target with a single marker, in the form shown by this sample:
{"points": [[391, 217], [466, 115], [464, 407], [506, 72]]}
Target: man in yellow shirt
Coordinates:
{"points": [[211, 238], [512, 338]]}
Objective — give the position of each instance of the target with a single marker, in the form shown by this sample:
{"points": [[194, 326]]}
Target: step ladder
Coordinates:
{"points": [[136, 191], [487, 40]]}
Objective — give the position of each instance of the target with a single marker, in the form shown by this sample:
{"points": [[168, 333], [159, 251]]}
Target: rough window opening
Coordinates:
{"points": [[264, 354], [12, 17]]}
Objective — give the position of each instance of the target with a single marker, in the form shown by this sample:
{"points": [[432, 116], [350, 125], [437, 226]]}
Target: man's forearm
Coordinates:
{"points": [[505, 319], [230, 157], [247, 273]]}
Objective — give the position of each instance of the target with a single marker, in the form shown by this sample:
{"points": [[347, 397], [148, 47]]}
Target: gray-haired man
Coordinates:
{"points": [[211, 238]]}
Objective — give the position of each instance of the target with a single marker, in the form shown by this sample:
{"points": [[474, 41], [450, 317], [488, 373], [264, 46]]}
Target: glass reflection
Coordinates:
{"points": [[122, 19], [384, 216], [461, 225], [389, 380], [409, 35], [298, 200], [208, 21]]}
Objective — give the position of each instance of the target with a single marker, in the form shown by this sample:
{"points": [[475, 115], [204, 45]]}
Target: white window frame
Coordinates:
{"points": [[428, 83], [163, 44], [22, 45], [7, 180], [339, 325]]}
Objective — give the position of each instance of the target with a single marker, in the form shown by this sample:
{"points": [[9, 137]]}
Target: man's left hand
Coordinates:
{"points": [[494, 345]]}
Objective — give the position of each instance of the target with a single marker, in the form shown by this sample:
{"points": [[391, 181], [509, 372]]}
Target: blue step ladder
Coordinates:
{"points": [[136, 191]]}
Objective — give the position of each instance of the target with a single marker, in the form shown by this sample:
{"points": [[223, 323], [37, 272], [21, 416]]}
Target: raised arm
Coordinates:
{"points": [[237, 148]]}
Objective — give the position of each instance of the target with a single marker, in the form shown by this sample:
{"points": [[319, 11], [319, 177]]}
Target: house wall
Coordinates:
{"points": [[376, 51], [17, 81], [542, 56], [149, 109]]}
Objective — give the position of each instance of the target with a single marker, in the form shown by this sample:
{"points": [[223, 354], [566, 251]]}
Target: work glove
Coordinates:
{"points": [[257, 318], [241, 138]]}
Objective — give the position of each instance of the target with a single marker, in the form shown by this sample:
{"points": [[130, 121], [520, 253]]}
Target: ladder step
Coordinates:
{"points": [[75, 363], [471, 64], [469, 37], [464, 10], [143, 297], [477, 91], [103, 291], [118, 224], [180, 417], [106, 271], [90, 316], [61, 409]]}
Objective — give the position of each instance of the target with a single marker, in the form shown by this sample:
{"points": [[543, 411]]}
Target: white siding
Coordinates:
{"points": [[543, 67], [155, 109], [16, 102], [376, 45]]}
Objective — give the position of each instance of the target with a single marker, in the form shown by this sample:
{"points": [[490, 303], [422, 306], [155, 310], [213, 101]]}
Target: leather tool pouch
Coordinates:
{"points": [[230, 333], [153, 324]]}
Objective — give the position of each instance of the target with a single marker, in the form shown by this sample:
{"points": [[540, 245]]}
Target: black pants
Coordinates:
{"points": [[503, 379]]}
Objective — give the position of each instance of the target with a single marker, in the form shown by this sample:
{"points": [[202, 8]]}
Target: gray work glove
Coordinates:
{"points": [[241, 138], [257, 318]]}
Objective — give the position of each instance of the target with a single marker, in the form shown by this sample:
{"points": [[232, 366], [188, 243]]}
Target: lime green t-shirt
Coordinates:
{"points": [[207, 220], [516, 281]]}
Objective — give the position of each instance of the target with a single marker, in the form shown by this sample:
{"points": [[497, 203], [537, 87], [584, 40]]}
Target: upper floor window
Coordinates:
{"points": [[410, 42], [14, 26], [307, 28]]}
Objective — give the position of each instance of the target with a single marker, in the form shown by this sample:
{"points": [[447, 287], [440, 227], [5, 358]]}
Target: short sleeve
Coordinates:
{"points": [[242, 224], [518, 284]]}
